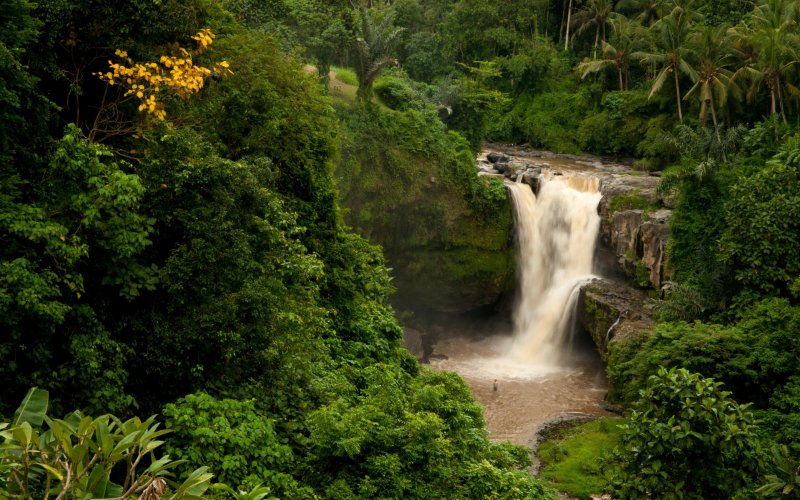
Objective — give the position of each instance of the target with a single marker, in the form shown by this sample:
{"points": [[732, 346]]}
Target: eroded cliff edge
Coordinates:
{"points": [[632, 242]]}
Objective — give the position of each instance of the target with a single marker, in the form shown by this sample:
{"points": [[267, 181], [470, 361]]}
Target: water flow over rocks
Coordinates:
{"points": [[556, 230]]}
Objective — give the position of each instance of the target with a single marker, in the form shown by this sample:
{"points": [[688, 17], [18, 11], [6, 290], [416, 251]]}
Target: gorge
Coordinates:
{"points": [[547, 355]]}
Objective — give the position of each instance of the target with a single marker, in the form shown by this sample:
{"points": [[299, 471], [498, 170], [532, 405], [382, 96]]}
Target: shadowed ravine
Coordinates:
{"points": [[543, 368]]}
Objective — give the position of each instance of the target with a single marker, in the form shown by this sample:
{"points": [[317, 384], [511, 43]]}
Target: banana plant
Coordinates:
{"points": [[84, 457]]}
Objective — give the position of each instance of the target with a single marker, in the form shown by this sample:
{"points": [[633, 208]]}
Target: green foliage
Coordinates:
{"points": [[572, 460], [346, 75], [786, 479], [695, 228], [397, 93], [240, 293], [753, 357], [550, 120], [86, 457], [683, 424], [762, 230], [475, 103], [78, 233], [618, 128], [411, 186], [322, 27], [237, 444], [374, 47], [209, 252], [413, 437], [630, 201]]}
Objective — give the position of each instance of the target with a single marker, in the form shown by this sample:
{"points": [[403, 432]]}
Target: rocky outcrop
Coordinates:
{"points": [[638, 238], [635, 226], [610, 311], [634, 218]]}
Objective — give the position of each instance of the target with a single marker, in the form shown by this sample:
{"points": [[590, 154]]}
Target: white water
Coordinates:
{"points": [[556, 233]]}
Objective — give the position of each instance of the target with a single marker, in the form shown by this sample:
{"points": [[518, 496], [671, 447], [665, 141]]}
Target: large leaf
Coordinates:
{"points": [[33, 408]]}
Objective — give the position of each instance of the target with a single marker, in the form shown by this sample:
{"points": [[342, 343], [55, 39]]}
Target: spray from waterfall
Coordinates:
{"points": [[556, 232]]}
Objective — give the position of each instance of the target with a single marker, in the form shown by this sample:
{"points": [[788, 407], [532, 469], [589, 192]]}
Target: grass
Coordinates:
{"points": [[346, 75], [343, 87], [571, 461]]}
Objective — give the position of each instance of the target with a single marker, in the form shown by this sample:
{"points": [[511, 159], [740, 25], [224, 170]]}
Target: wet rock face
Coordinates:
{"points": [[638, 238], [609, 311], [633, 227]]}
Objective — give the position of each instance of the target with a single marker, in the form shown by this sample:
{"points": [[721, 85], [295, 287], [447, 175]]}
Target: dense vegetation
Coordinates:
{"points": [[172, 245], [172, 242]]}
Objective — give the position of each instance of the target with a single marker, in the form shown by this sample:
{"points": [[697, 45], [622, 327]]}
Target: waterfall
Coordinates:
{"points": [[556, 233]]}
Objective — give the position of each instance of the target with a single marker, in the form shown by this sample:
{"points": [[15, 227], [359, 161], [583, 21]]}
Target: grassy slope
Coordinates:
{"points": [[572, 460]]}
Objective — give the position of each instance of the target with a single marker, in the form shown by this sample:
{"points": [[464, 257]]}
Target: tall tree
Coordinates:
{"points": [[713, 56], [373, 48], [770, 38], [646, 12], [627, 37], [671, 48], [595, 14]]}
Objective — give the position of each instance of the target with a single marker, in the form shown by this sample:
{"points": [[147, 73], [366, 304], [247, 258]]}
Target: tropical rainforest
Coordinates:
{"points": [[198, 197]]}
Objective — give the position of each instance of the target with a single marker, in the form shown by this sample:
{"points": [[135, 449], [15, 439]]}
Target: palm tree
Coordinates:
{"points": [[373, 48], [671, 38], [596, 13], [568, 14], [627, 37], [713, 56], [647, 11], [770, 39]]}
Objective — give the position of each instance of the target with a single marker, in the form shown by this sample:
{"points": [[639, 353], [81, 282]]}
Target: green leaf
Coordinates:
{"points": [[195, 485], [33, 408], [52, 470], [22, 434], [126, 442]]}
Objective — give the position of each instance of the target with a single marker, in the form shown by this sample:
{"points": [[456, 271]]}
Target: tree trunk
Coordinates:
{"points": [[772, 100], [780, 97], [678, 93], [620, 78], [714, 120], [627, 77], [569, 20]]}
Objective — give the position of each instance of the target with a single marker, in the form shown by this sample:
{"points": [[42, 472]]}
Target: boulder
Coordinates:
{"points": [[532, 180], [496, 157], [504, 167]]}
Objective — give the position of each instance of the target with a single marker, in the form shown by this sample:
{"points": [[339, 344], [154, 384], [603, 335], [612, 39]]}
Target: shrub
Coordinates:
{"points": [[397, 93], [686, 439], [238, 445]]}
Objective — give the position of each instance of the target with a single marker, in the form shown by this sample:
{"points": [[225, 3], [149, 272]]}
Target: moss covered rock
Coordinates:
{"points": [[410, 185]]}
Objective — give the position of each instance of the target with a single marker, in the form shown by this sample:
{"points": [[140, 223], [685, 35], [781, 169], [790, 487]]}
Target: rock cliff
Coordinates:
{"points": [[631, 243]]}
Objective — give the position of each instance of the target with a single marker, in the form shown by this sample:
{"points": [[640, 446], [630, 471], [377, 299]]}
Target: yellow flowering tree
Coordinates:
{"points": [[152, 82]]}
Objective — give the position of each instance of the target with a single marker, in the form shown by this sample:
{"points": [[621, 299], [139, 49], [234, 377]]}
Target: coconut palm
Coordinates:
{"points": [[373, 49], [647, 12], [627, 37], [770, 40], [712, 59], [595, 14], [565, 26], [671, 36]]}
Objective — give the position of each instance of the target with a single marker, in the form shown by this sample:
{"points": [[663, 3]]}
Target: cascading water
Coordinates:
{"points": [[531, 376], [556, 232]]}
